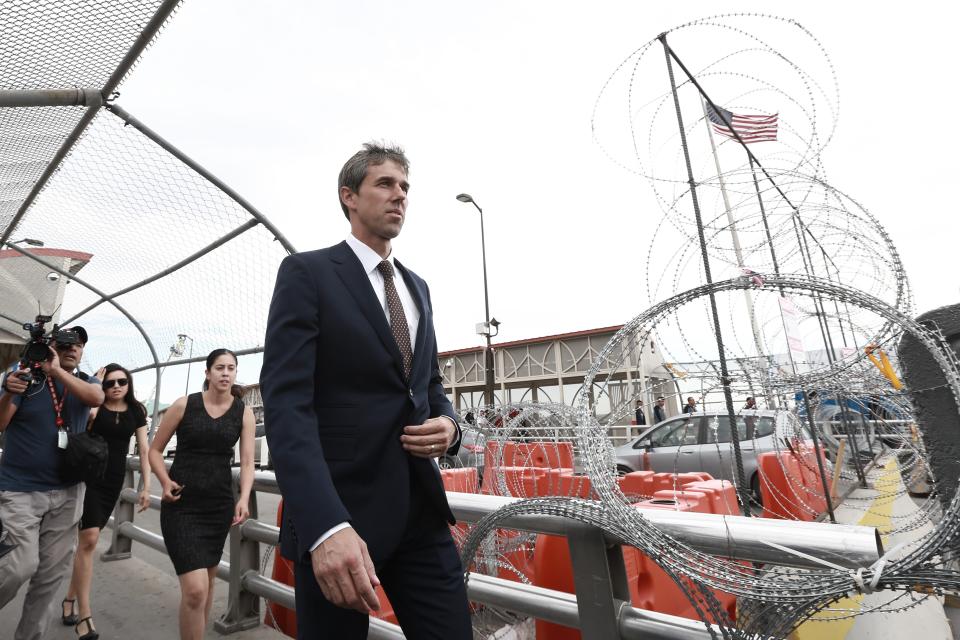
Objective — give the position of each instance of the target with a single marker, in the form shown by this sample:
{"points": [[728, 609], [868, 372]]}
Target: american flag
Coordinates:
{"points": [[750, 128]]}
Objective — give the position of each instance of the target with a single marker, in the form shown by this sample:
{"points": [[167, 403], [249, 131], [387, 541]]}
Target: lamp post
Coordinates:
{"points": [[488, 323], [181, 337], [33, 242]]}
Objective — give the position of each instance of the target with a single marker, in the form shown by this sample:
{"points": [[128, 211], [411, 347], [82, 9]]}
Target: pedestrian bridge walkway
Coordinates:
{"points": [[133, 599], [138, 597]]}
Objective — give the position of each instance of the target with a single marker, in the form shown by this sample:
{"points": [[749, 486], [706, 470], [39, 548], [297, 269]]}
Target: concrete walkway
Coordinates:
{"points": [[884, 505], [131, 599]]}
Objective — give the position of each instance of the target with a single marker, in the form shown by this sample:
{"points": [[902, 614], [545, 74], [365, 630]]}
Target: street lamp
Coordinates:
{"points": [[489, 323], [33, 242], [181, 337]]}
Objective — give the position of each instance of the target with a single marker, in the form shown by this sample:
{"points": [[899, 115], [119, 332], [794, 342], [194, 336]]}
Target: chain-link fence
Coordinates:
{"points": [[102, 222]]}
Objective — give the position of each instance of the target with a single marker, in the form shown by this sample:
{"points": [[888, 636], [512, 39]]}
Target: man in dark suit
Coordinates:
{"points": [[355, 416]]}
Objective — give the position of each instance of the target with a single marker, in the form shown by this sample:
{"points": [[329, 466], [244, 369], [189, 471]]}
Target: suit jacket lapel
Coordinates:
{"points": [[419, 297], [350, 271]]}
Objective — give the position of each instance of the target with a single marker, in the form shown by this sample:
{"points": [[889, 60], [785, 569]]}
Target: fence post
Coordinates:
{"points": [[600, 579], [120, 545], [243, 608]]}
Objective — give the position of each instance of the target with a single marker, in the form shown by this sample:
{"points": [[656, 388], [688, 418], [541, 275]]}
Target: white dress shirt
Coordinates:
{"points": [[370, 259]]}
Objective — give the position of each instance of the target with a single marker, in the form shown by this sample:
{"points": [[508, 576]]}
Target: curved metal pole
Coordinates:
{"points": [[117, 306], [125, 115], [249, 224], [149, 31], [173, 363]]}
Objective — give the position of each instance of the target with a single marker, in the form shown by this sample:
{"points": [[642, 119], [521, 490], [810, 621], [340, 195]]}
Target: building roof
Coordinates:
{"points": [[550, 338]]}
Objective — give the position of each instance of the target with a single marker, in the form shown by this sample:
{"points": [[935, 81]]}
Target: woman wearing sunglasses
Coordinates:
{"points": [[120, 417]]}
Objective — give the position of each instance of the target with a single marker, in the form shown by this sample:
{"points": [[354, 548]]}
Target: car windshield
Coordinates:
{"points": [[677, 432], [748, 428]]}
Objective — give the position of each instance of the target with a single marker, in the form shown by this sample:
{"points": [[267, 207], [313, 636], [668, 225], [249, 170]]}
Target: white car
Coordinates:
{"points": [[701, 442]]}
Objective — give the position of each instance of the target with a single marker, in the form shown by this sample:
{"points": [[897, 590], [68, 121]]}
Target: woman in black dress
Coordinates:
{"points": [[198, 505], [120, 417]]}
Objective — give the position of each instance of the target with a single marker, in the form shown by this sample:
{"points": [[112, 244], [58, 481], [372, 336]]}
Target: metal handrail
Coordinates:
{"points": [[742, 539]]}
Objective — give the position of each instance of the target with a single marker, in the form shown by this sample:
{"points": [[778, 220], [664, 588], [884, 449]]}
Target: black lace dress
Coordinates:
{"points": [[195, 527], [116, 427]]}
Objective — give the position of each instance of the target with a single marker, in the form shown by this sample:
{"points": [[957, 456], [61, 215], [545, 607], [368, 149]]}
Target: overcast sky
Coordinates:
{"points": [[495, 99]]}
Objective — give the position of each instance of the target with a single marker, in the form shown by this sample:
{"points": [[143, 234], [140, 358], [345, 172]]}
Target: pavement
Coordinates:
{"points": [[883, 504], [138, 598]]}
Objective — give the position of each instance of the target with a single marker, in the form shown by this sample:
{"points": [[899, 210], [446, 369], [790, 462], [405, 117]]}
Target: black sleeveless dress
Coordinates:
{"points": [[101, 495], [195, 527]]}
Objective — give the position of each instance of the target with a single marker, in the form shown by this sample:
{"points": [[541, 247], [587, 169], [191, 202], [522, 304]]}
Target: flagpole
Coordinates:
{"points": [[738, 251], [741, 487]]}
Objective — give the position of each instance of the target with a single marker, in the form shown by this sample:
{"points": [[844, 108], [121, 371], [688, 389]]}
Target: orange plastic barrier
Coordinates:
{"points": [[546, 454], [667, 480], [637, 483], [558, 455], [285, 619], [386, 609], [573, 486], [519, 482], [650, 587], [460, 480], [790, 486], [721, 494], [813, 495], [695, 501]]}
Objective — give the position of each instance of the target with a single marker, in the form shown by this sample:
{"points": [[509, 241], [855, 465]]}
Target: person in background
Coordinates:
{"points": [[691, 406], [117, 420], [639, 415], [660, 410], [750, 404], [198, 506], [39, 511]]}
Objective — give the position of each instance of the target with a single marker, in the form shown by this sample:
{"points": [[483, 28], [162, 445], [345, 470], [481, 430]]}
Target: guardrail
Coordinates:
{"points": [[601, 607]]}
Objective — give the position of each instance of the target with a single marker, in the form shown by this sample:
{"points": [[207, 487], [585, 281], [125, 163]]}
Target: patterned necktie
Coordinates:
{"points": [[398, 319]]}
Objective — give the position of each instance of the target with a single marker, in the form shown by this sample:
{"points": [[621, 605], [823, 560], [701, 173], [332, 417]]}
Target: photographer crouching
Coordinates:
{"points": [[39, 405]]}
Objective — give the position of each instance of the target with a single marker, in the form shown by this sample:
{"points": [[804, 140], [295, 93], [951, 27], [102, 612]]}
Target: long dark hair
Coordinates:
{"points": [[236, 390], [129, 397]]}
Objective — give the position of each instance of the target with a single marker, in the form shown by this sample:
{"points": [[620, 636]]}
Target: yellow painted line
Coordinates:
{"points": [[820, 626]]}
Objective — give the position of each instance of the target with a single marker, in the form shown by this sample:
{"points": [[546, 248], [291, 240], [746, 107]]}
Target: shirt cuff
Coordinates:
{"points": [[456, 426], [323, 538]]}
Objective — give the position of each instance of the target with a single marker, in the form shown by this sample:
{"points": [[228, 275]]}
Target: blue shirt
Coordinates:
{"points": [[31, 458]]}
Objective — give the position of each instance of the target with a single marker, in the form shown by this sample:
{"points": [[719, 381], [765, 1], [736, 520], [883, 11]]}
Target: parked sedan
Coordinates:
{"points": [[701, 442], [470, 454]]}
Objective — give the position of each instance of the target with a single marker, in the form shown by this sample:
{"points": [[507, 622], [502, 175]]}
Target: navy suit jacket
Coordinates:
{"points": [[336, 402]]}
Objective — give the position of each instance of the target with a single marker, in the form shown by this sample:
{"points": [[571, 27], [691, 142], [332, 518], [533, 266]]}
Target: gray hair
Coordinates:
{"points": [[355, 169]]}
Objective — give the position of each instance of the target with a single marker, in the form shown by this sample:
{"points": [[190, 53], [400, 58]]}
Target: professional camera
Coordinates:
{"points": [[37, 349]]}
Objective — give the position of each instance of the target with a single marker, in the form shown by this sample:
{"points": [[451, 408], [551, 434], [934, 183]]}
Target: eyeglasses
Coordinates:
{"points": [[120, 382]]}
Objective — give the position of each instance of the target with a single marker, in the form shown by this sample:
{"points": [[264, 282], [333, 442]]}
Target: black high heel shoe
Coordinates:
{"points": [[72, 618], [91, 634]]}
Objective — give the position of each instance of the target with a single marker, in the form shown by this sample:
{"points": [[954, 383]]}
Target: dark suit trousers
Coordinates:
{"points": [[423, 579]]}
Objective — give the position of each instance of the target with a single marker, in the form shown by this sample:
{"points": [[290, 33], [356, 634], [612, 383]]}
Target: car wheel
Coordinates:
{"points": [[623, 470], [446, 462]]}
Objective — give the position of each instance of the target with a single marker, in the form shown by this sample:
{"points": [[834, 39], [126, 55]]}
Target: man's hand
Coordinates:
{"points": [[14, 384], [53, 363], [345, 572], [430, 439]]}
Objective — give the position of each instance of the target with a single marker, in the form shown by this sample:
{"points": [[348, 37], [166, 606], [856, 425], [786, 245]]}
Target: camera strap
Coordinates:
{"points": [[57, 406]]}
